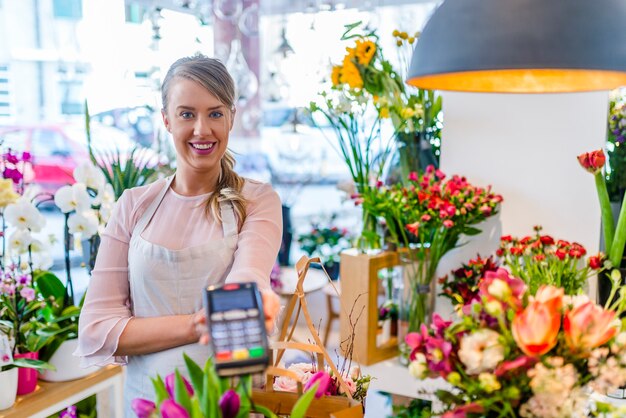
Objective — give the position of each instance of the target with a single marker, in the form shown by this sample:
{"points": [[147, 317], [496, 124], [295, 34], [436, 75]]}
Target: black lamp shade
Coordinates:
{"points": [[522, 46]]}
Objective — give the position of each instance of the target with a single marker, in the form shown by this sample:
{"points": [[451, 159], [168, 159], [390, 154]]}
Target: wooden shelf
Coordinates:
{"points": [[48, 396]]}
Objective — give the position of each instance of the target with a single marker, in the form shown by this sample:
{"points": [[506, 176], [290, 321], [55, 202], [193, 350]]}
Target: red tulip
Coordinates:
{"points": [[588, 326], [592, 161], [536, 328]]}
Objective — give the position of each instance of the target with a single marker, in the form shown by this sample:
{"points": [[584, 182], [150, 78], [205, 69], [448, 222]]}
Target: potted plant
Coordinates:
{"points": [[326, 242]]}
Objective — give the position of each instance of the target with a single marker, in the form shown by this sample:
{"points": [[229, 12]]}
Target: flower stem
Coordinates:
{"points": [[617, 248], [608, 224]]}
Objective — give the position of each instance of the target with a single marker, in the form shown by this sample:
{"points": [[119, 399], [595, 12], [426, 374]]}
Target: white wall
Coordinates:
{"points": [[525, 146]]}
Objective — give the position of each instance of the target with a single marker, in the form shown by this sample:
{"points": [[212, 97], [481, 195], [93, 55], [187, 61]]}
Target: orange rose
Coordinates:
{"points": [[551, 295], [588, 326], [535, 329]]}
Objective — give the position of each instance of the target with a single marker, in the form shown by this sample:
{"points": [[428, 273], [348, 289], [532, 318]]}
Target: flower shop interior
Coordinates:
{"points": [[451, 176]]}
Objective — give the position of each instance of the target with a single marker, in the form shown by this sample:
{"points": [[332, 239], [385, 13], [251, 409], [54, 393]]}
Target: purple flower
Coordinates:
{"points": [[28, 293], [24, 279], [13, 174], [170, 409], [26, 156], [620, 139], [10, 157], [616, 130], [142, 407], [324, 382], [70, 412], [170, 384], [229, 404]]}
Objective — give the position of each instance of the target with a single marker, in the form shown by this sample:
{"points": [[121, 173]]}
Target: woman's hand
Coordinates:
{"points": [[271, 308]]}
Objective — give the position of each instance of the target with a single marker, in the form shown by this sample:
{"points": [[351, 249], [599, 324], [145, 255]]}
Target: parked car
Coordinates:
{"points": [[57, 149]]}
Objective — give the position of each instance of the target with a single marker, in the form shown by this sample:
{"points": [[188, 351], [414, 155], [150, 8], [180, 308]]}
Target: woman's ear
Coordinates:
{"points": [[166, 121]]}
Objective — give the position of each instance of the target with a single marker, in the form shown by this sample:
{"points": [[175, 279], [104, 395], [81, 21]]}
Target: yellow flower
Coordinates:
{"points": [[365, 50], [404, 35], [411, 40], [335, 75], [395, 32], [351, 52], [7, 193], [399, 42], [384, 112], [350, 75], [407, 112]]}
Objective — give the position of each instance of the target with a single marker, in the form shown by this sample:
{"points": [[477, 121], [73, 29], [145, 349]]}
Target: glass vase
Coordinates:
{"points": [[369, 239], [417, 298]]}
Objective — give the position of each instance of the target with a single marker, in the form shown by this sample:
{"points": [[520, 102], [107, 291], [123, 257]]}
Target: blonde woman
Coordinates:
{"points": [[167, 241]]}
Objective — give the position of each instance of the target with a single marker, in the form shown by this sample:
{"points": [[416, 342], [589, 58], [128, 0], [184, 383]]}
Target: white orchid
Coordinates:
{"points": [[19, 241], [84, 223], [105, 196], [73, 198], [42, 260], [90, 175], [24, 215]]}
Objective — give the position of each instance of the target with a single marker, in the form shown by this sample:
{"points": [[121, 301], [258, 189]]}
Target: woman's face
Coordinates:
{"points": [[200, 125]]}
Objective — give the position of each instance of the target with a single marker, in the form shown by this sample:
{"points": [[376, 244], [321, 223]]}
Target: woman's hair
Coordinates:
{"points": [[211, 74]]}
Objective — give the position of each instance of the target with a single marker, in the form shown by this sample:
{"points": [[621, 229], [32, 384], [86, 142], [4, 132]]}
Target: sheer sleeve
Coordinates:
{"points": [[106, 310], [259, 238]]}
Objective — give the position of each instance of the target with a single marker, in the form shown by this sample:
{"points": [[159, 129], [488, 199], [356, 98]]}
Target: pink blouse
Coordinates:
{"points": [[179, 222]]}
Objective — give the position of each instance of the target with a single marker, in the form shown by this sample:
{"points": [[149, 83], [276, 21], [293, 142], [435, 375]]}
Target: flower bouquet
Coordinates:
{"points": [[518, 354], [350, 108], [327, 243], [616, 147], [426, 219], [540, 259], [462, 285]]}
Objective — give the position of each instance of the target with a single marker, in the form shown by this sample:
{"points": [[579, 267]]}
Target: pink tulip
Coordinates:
{"points": [[536, 328], [170, 409], [170, 382], [588, 326], [324, 382], [142, 407]]}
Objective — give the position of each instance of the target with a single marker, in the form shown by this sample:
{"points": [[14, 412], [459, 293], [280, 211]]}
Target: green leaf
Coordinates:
{"points": [[159, 390], [33, 364], [49, 285], [196, 411], [470, 231], [302, 405], [181, 396], [195, 374], [265, 411]]}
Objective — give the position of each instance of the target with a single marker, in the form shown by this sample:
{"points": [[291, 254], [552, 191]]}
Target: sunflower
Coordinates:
{"points": [[350, 75], [364, 51], [335, 75]]}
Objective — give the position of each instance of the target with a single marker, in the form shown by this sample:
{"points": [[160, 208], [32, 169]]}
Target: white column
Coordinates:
{"points": [[525, 146]]}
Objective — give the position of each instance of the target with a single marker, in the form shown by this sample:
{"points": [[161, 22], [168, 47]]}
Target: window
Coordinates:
{"points": [[5, 96], [68, 9]]}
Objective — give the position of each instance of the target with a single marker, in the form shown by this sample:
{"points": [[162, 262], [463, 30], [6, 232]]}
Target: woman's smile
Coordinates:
{"points": [[203, 147]]}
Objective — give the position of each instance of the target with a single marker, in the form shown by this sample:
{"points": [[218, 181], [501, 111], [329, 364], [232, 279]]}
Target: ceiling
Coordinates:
{"points": [[273, 7]]}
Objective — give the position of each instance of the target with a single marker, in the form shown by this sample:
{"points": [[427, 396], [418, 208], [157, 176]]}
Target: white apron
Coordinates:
{"points": [[170, 282]]}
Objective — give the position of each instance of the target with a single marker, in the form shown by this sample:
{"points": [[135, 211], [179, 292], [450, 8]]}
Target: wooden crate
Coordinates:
{"points": [[359, 293]]}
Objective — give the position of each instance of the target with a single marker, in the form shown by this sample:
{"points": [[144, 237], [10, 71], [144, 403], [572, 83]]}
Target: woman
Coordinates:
{"points": [[167, 241]]}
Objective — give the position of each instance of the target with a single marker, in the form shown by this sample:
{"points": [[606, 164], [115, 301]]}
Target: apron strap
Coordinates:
{"points": [[149, 213], [229, 222]]}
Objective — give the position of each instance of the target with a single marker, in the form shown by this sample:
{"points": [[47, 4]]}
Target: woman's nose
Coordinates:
{"points": [[202, 127]]}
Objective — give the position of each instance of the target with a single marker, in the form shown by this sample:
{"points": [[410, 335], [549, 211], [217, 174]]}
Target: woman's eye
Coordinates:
{"points": [[186, 115], [216, 114]]}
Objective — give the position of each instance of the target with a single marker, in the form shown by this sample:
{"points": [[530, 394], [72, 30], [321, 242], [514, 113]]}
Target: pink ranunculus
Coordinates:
{"points": [[448, 223], [413, 176], [285, 384], [350, 384], [170, 409], [536, 328], [588, 326], [592, 161], [142, 407]]}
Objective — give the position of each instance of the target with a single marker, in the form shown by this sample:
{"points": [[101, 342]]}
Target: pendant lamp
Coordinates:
{"points": [[522, 46]]}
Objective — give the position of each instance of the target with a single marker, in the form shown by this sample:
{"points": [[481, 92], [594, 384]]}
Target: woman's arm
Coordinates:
{"points": [[147, 335]]}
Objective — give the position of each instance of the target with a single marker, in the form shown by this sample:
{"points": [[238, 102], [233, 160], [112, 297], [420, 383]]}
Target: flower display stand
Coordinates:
{"points": [[359, 299]]}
